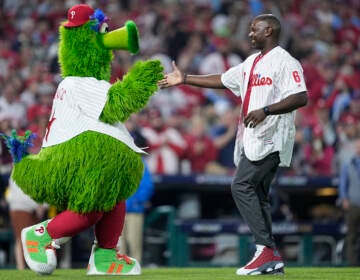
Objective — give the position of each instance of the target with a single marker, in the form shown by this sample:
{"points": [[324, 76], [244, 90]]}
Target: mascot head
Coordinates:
{"points": [[86, 44]]}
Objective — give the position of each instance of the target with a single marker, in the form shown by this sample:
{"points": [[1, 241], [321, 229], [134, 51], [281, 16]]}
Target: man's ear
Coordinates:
{"points": [[268, 31]]}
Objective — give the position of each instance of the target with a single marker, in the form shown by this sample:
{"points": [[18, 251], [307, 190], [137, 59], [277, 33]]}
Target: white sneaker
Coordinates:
{"points": [[39, 252], [265, 261], [109, 262]]}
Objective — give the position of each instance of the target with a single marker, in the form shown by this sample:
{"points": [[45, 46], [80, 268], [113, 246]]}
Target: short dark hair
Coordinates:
{"points": [[273, 21]]}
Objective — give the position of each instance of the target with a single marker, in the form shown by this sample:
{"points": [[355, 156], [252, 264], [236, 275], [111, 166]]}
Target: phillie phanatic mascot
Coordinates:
{"points": [[88, 164]]}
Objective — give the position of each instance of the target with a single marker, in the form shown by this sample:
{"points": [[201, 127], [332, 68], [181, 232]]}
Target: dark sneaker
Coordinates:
{"points": [[39, 253], [265, 261], [109, 262]]}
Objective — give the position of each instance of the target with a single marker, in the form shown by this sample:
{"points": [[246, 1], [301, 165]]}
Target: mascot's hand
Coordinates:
{"points": [[150, 71]]}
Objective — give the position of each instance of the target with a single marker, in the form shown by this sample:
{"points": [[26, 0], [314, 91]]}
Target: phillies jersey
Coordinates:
{"points": [[274, 76], [77, 106]]}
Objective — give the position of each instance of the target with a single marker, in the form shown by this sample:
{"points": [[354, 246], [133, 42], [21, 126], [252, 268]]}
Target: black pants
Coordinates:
{"points": [[352, 235], [250, 190]]}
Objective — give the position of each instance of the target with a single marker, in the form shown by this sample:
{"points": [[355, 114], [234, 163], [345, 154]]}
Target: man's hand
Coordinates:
{"points": [[172, 79], [254, 118]]}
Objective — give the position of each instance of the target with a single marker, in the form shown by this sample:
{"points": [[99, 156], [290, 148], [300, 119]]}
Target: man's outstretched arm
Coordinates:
{"points": [[177, 77]]}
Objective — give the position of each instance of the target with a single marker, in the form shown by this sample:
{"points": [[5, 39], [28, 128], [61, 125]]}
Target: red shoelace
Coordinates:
{"points": [[124, 257], [50, 247]]}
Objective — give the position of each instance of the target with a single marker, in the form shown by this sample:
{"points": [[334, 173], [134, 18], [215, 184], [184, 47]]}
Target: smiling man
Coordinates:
{"points": [[271, 86]]}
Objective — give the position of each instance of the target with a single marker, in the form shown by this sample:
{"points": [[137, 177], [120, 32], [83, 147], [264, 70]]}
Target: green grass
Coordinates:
{"points": [[305, 273]]}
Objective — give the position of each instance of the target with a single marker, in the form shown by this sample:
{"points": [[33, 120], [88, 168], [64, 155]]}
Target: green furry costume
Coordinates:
{"points": [[92, 171]]}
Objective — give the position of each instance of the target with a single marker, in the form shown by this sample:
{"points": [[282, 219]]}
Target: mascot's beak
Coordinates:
{"points": [[124, 38]]}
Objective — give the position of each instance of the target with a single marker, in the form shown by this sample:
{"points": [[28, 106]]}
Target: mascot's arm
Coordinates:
{"points": [[132, 93]]}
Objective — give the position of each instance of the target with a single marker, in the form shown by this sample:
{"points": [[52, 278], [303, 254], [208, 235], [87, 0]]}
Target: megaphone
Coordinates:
{"points": [[123, 38]]}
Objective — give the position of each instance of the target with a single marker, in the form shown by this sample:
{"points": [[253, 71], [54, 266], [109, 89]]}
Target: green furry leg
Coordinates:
{"points": [[59, 176]]}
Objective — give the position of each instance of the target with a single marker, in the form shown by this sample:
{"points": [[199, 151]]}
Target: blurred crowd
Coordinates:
{"points": [[186, 129]]}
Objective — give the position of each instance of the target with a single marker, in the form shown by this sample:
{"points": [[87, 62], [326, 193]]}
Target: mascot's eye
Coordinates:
{"points": [[104, 28]]}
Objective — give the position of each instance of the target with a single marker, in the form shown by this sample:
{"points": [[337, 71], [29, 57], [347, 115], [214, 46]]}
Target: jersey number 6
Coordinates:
{"points": [[296, 76]]}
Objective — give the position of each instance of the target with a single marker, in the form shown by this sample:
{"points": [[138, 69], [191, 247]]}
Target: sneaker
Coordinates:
{"points": [[265, 261], [39, 253], [109, 262]]}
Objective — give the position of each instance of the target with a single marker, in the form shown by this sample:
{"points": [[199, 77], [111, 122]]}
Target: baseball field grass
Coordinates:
{"points": [[304, 273]]}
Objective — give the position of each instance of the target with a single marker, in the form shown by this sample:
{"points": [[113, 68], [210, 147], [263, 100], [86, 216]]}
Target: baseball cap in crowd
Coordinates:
{"points": [[78, 15]]}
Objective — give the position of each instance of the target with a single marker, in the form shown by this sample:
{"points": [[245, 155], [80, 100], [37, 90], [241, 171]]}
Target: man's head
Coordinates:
{"points": [[264, 31]]}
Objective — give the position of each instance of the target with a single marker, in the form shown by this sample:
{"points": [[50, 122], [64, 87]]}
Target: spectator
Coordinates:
{"points": [[200, 151], [39, 126], [218, 61], [349, 198], [239, 20], [24, 212], [199, 158], [44, 95], [319, 156], [29, 95], [345, 90], [347, 130], [323, 120], [131, 241], [166, 145], [12, 107], [223, 133], [192, 54], [5, 167]]}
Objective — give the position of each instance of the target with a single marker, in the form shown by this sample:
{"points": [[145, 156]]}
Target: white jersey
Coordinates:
{"points": [[77, 106], [275, 76]]}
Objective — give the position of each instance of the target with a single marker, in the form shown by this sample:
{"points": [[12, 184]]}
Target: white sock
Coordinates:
{"points": [[260, 247]]}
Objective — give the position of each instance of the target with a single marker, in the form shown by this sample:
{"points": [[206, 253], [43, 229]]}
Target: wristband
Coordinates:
{"points": [[266, 110], [184, 78]]}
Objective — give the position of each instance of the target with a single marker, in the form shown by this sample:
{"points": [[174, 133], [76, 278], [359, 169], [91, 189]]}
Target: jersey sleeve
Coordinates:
{"points": [[232, 78], [291, 78]]}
